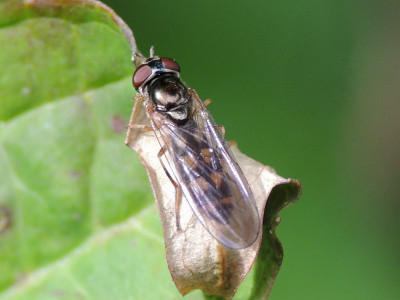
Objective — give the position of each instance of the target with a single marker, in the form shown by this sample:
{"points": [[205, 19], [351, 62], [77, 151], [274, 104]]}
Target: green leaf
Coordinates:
{"points": [[259, 281], [77, 215]]}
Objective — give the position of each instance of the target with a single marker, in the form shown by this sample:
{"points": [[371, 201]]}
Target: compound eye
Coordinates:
{"points": [[170, 64], [140, 75]]}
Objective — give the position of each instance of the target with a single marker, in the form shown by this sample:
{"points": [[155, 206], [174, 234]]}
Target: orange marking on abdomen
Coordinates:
{"points": [[190, 161], [217, 178], [226, 201]]}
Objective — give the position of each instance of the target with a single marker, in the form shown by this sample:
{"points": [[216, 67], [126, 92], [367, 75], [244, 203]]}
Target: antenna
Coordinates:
{"points": [[151, 51]]}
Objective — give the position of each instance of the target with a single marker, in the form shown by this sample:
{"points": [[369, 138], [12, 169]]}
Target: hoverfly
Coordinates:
{"points": [[200, 163]]}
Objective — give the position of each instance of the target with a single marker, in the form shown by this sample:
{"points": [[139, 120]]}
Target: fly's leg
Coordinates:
{"points": [[146, 128], [141, 127], [207, 102], [221, 129], [178, 191], [194, 94], [139, 97]]}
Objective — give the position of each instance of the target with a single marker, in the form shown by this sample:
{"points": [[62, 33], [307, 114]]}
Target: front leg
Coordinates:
{"points": [[141, 127], [131, 137], [178, 190]]}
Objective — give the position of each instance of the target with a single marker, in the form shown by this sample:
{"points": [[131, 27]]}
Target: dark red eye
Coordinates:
{"points": [[140, 75], [170, 64]]}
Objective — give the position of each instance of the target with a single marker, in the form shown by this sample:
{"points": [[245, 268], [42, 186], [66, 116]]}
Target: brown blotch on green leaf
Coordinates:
{"points": [[118, 125], [6, 218]]}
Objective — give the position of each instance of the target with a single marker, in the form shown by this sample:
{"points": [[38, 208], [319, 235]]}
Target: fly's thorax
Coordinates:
{"points": [[170, 97]]}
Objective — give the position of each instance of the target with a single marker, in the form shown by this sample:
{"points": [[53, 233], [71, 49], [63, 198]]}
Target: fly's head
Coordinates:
{"points": [[158, 79]]}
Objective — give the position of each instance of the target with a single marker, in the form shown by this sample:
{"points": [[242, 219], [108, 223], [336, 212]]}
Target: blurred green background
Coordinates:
{"points": [[312, 89]]}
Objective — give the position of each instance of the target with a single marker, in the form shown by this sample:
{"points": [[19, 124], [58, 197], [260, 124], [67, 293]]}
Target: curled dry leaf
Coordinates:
{"points": [[195, 259]]}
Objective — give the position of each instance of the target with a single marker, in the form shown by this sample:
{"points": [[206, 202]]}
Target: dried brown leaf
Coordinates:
{"points": [[195, 259]]}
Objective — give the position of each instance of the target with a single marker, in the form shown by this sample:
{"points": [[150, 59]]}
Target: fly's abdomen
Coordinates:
{"points": [[208, 183]]}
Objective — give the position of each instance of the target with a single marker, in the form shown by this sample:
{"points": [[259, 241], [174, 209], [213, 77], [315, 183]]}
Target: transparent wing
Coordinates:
{"points": [[210, 178]]}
